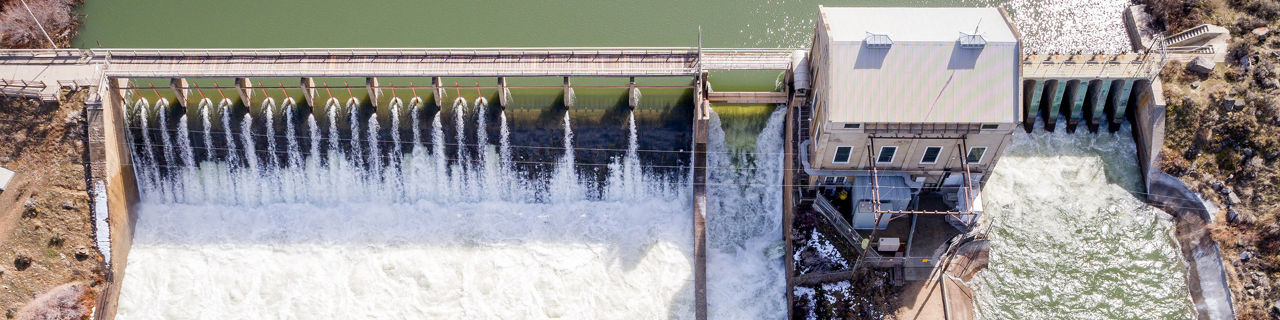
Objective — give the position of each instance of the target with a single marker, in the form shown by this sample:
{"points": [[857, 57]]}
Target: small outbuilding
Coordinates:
{"points": [[6, 175]]}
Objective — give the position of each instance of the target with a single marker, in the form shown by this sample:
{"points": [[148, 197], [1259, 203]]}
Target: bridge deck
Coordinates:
{"points": [[488, 62], [1089, 66]]}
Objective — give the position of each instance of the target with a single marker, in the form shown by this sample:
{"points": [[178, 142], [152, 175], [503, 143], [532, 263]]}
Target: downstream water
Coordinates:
{"points": [[341, 221], [408, 228], [1070, 235]]}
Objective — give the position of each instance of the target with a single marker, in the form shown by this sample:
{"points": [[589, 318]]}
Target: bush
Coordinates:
{"points": [[62, 302], [18, 30], [1177, 15]]}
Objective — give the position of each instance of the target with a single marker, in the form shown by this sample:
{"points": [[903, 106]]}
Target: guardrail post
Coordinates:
{"points": [[375, 93], [180, 90], [245, 88], [309, 90]]}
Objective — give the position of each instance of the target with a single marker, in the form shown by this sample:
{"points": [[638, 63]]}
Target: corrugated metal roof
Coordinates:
{"points": [[916, 24], [926, 76]]}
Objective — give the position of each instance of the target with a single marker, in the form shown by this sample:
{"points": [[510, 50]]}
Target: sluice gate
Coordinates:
{"points": [[1098, 90]]}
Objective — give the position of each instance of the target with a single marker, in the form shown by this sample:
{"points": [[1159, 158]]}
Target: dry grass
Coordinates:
{"points": [[66, 302], [19, 30], [46, 233], [1210, 147]]}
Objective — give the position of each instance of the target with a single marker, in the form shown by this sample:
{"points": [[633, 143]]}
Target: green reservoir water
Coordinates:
{"points": [[483, 23]]}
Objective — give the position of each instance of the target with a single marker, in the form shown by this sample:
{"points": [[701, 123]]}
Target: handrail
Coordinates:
{"points": [[108, 52], [829, 212]]}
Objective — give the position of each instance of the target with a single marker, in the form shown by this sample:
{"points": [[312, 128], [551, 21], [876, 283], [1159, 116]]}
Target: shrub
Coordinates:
{"points": [[18, 30]]}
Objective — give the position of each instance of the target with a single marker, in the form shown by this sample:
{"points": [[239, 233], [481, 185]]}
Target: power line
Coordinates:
{"points": [[38, 24]]}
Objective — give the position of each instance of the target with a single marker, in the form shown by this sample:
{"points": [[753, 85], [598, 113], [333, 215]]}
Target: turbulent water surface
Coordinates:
{"points": [[1070, 237], [369, 230], [744, 222]]}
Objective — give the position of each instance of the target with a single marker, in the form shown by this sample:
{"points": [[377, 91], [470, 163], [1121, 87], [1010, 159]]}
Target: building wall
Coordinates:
{"points": [[910, 151], [826, 136]]}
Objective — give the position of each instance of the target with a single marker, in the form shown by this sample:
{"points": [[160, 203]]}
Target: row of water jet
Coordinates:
{"points": [[361, 169]]}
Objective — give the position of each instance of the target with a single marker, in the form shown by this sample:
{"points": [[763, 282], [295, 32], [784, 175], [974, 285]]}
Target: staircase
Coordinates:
{"points": [[1192, 37]]}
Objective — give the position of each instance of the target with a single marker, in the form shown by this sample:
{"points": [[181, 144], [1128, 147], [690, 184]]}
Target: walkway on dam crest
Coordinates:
{"points": [[42, 73]]}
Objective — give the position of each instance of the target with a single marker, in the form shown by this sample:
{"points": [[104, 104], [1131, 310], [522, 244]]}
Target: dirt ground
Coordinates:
{"points": [[46, 232], [1223, 140]]}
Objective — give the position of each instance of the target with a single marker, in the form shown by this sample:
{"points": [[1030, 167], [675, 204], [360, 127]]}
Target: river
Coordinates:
{"points": [[334, 245]]}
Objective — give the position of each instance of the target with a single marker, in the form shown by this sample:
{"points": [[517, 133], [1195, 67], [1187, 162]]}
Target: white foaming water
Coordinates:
{"points": [[1069, 236], [745, 274], [268, 121], [1046, 25], [1069, 26], [233, 156], [353, 107], [352, 252], [166, 148]]}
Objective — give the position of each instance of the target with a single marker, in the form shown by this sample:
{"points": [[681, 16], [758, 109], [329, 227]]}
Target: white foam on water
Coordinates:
{"points": [[1070, 238], [352, 251], [745, 271], [487, 260]]}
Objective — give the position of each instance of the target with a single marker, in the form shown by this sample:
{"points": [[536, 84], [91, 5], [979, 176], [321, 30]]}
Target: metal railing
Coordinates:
{"points": [[829, 212]]}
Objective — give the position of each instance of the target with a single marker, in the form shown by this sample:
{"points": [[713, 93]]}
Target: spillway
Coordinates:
{"points": [[1070, 234], [343, 219], [745, 278]]}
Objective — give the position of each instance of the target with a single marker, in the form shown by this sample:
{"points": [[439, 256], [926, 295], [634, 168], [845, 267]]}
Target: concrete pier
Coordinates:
{"points": [[1090, 109], [568, 94], [437, 92], [504, 94], [1068, 104], [375, 92], [1112, 104], [701, 121], [181, 90], [1028, 95], [1046, 103], [1139, 88], [633, 94], [309, 90], [245, 88]]}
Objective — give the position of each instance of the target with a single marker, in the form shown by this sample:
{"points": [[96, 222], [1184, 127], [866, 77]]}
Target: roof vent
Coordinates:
{"points": [[878, 41], [972, 41]]}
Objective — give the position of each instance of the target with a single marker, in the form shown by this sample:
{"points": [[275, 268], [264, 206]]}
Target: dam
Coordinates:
{"points": [[439, 181]]}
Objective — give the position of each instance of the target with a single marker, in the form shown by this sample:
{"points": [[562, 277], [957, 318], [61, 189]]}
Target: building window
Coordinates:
{"points": [[990, 126], [852, 125], [975, 154], [833, 180], [931, 155], [886, 154], [842, 154]]}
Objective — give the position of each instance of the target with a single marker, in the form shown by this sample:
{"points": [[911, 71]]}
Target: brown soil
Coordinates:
{"points": [[1223, 152], [46, 232]]}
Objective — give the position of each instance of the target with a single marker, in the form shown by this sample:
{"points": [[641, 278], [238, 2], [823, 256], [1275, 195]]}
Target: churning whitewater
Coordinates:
{"points": [[1069, 236], [360, 227], [745, 274]]}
